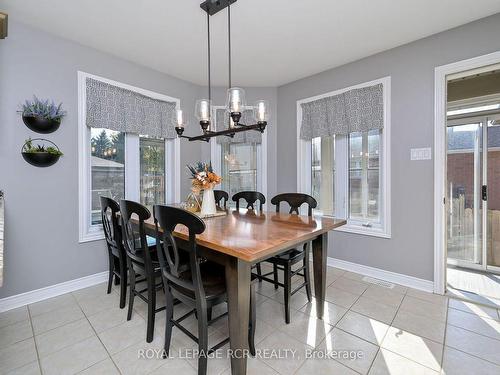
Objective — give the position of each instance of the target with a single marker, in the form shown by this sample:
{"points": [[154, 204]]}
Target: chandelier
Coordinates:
{"points": [[235, 103]]}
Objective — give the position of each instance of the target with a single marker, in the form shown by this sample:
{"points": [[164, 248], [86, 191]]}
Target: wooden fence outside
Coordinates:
{"points": [[461, 232]]}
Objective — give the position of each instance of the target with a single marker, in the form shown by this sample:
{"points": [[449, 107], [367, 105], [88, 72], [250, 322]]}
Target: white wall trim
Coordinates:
{"points": [[440, 76], [87, 232], [377, 273], [37, 295], [304, 159]]}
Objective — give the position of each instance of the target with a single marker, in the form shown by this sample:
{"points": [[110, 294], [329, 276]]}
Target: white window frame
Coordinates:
{"points": [[87, 231], [342, 160], [216, 157]]}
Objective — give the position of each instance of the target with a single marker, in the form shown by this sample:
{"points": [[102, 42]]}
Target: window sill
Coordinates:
{"points": [[373, 232], [93, 234]]}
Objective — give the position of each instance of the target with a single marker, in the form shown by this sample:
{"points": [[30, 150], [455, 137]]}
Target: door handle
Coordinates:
{"points": [[484, 192]]}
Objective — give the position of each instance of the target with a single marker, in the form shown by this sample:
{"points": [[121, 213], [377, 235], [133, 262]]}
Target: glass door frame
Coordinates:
{"points": [[482, 119]]}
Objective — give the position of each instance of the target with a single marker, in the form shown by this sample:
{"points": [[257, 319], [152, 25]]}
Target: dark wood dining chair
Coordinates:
{"points": [[219, 196], [201, 285], [250, 197], [288, 259], [116, 253], [141, 259]]}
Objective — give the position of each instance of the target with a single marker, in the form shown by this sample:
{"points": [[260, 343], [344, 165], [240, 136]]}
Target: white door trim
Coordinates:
{"points": [[440, 75]]}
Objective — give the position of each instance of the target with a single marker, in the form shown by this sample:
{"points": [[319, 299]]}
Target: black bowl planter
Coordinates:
{"points": [[41, 125], [40, 159]]}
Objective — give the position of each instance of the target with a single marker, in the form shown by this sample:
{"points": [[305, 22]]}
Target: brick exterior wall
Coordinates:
{"points": [[461, 173]]}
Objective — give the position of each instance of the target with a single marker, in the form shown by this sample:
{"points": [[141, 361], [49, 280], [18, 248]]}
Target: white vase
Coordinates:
{"points": [[208, 204]]}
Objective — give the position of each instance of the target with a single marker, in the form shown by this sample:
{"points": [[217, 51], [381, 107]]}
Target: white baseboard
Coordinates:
{"points": [[37, 295], [377, 273]]}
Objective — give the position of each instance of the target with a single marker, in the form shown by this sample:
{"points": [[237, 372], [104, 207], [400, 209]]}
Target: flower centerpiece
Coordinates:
{"points": [[203, 180]]}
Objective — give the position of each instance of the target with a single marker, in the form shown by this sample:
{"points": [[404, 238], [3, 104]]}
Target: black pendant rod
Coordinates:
{"points": [[209, 70], [229, 39]]}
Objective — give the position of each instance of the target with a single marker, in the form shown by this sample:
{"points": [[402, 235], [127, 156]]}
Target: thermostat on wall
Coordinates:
{"points": [[421, 153]]}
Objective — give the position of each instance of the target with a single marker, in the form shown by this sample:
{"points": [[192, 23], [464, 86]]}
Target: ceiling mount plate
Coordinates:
{"points": [[214, 6]]}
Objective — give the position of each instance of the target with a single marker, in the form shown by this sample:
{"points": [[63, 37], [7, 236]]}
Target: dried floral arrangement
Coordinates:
{"points": [[203, 177]]}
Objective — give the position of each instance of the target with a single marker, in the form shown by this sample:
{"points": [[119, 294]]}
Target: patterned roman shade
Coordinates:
{"points": [[222, 122], [355, 110], [118, 109]]}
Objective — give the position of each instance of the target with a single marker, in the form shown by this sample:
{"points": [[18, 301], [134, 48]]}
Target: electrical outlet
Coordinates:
{"points": [[421, 153]]}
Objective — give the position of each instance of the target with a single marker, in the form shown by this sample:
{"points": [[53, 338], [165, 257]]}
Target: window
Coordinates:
{"points": [[107, 168], [349, 175], [122, 165], [242, 165], [323, 173], [364, 176], [239, 167], [152, 164]]}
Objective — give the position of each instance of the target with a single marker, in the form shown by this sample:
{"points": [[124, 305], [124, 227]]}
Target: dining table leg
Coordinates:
{"points": [[319, 250], [238, 301]]}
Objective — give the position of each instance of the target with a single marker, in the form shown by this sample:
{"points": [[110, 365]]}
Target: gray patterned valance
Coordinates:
{"points": [[352, 111], [222, 122], [118, 109]]}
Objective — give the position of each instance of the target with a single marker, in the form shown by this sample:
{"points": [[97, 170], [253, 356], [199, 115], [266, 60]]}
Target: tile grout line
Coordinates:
{"points": [[442, 344], [34, 341], [379, 347], [104, 346]]}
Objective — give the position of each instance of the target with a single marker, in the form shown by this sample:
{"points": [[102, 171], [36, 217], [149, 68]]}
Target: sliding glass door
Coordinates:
{"points": [[473, 192], [493, 193]]}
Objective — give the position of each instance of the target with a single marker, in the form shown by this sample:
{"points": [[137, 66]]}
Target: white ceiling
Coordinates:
{"points": [[274, 41]]}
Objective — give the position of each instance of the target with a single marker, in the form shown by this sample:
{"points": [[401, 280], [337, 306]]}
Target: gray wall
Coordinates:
{"points": [[411, 67], [41, 240]]}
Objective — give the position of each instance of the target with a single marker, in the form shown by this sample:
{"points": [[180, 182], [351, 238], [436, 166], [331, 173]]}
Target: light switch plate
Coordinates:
{"points": [[421, 153]]}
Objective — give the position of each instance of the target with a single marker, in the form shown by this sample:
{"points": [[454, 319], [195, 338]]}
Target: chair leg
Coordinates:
{"points": [[123, 282], [131, 293], [169, 299], [253, 321], [275, 275], [209, 314], [259, 272], [151, 309], [202, 339], [288, 287], [307, 273], [111, 270]]}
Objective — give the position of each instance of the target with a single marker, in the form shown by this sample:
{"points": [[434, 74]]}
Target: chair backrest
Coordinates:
{"points": [[133, 215], [250, 197], [109, 215], [166, 219], [295, 200], [220, 195]]}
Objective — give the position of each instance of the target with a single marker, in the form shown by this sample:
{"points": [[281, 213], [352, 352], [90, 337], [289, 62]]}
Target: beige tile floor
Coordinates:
{"points": [[482, 287], [367, 329]]}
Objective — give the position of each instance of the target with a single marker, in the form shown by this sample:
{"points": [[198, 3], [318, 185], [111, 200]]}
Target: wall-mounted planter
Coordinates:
{"points": [[41, 125], [42, 155]]}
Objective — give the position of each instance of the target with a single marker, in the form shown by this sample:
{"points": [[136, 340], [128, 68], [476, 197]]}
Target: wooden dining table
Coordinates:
{"points": [[243, 238]]}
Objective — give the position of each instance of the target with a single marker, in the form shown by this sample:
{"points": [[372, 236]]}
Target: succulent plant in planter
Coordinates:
{"points": [[40, 155], [42, 116]]}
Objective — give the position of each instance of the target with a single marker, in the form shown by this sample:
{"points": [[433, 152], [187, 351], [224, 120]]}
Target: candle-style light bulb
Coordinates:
{"points": [[235, 99], [180, 119], [261, 111], [202, 112]]}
